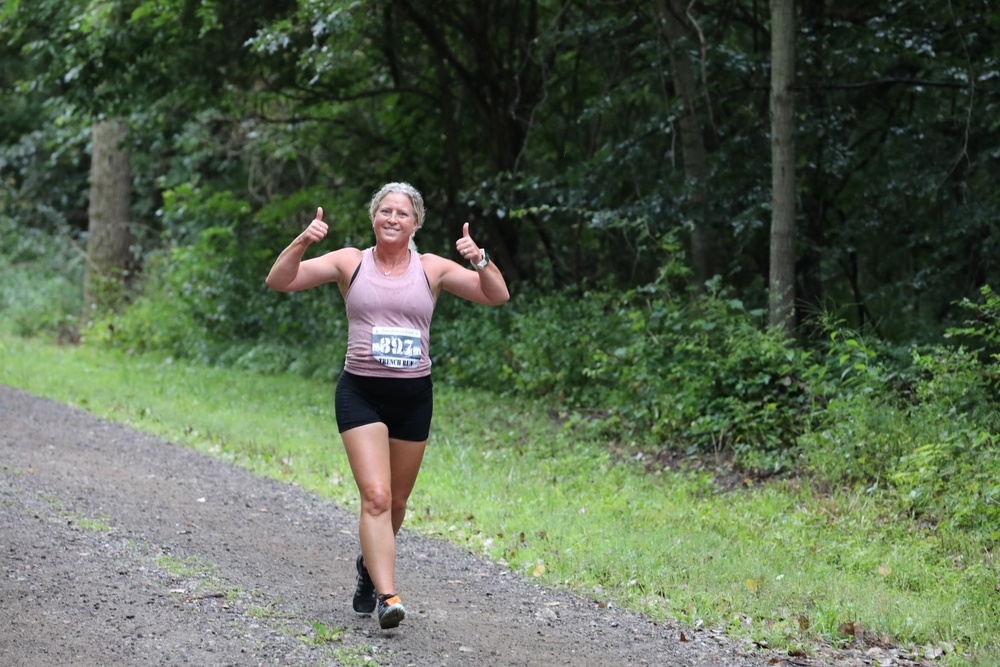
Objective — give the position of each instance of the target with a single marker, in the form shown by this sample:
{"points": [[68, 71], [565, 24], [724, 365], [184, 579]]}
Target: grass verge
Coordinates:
{"points": [[780, 565]]}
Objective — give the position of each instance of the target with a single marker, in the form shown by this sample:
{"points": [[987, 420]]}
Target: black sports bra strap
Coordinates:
{"points": [[355, 274]]}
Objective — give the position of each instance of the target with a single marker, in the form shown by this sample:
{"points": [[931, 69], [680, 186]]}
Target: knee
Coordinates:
{"points": [[376, 501]]}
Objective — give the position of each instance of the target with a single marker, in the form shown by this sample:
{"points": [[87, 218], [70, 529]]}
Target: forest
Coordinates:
{"points": [[763, 233], [770, 230]]}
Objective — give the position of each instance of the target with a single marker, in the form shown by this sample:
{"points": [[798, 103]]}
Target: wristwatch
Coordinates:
{"points": [[481, 264]]}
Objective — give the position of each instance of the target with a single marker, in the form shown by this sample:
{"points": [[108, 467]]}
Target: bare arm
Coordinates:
{"points": [[485, 286], [290, 274]]}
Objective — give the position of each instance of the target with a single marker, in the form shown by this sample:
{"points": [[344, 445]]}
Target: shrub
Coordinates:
{"points": [[708, 375], [925, 429], [207, 301], [41, 281], [652, 366]]}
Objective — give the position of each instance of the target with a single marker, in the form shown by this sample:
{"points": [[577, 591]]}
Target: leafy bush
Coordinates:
{"points": [[657, 367], [207, 301], [653, 366], [668, 370], [41, 281], [707, 375], [863, 427], [982, 332], [953, 471], [471, 345], [926, 429]]}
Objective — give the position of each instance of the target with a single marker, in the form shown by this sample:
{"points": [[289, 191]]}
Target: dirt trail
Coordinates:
{"points": [[121, 549]]}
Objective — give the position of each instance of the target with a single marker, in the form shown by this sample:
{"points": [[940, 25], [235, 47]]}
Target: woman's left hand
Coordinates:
{"points": [[467, 248]]}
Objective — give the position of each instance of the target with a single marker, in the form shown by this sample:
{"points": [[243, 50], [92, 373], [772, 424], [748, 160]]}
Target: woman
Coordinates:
{"points": [[384, 396]]}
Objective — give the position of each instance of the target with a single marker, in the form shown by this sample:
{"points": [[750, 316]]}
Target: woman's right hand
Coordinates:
{"points": [[316, 231]]}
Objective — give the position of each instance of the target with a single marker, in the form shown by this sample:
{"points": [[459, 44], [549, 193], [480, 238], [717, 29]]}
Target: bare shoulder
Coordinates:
{"points": [[336, 266], [441, 271], [346, 256], [437, 269], [434, 265], [485, 287], [343, 262]]}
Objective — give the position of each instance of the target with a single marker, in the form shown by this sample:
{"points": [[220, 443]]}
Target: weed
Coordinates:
{"points": [[263, 611], [521, 488], [182, 568], [325, 635], [359, 655], [98, 525]]}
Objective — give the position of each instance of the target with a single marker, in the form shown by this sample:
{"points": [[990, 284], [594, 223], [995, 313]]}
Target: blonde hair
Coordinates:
{"points": [[399, 188]]}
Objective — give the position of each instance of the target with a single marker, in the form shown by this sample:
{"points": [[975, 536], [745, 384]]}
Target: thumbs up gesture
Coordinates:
{"points": [[317, 229], [467, 248]]}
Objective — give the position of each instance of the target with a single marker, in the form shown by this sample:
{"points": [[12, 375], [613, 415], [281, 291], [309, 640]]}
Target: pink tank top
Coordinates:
{"points": [[389, 321]]}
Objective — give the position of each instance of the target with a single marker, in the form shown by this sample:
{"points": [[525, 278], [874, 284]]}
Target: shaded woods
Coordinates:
{"points": [[670, 187], [617, 158]]}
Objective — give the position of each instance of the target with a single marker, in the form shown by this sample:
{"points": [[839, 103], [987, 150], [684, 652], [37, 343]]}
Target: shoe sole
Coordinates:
{"points": [[392, 617]]}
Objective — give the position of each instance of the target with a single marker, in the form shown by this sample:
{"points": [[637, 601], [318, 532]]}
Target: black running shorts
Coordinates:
{"points": [[404, 405]]}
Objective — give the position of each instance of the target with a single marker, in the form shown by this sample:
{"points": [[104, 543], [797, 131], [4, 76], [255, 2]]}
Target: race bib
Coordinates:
{"points": [[396, 347]]}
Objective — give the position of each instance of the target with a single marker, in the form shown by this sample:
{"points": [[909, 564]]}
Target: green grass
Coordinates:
{"points": [[184, 568], [782, 564], [97, 525]]}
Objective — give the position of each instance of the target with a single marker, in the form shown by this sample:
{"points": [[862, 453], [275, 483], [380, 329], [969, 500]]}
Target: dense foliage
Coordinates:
{"points": [[553, 127]]}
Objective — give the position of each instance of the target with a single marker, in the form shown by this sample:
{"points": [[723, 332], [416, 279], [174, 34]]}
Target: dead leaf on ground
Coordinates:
{"points": [[849, 629]]}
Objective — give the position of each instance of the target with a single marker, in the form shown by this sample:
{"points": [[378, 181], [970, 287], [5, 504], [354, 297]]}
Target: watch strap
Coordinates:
{"points": [[481, 264]]}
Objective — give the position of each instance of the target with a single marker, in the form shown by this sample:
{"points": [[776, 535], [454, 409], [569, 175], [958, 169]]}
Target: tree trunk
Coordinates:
{"points": [[109, 240], [694, 153], [782, 261]]}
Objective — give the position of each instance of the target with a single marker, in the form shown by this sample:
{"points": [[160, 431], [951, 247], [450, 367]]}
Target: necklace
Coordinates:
{"points": [[387, 271]]}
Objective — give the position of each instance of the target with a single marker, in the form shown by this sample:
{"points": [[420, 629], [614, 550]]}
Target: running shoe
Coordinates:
{"points": [[364, 593], [390, 611]]}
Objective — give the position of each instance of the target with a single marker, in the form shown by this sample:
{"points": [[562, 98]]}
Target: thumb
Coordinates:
{"points": [[319, 213], [465, 230]]}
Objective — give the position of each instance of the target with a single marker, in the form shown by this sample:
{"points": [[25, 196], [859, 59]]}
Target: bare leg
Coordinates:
{"points": [[405, 458], [385, 474]]}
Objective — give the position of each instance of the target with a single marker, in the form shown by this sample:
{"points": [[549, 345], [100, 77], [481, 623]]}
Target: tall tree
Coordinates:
{"points": [[782, 256], [566, 130], [678, 28], [490, 60], [109, 240]]}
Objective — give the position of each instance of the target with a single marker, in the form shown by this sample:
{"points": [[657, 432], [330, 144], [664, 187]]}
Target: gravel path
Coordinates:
{"points": [[121, 549]]}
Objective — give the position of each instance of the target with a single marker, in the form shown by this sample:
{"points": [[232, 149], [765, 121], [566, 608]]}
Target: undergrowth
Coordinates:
{"points": [[911, 430], [784, 563]]}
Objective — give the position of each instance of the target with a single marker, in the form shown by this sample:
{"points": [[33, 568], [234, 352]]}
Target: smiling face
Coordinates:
{"points": [[394, 220], [416, 200]]}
